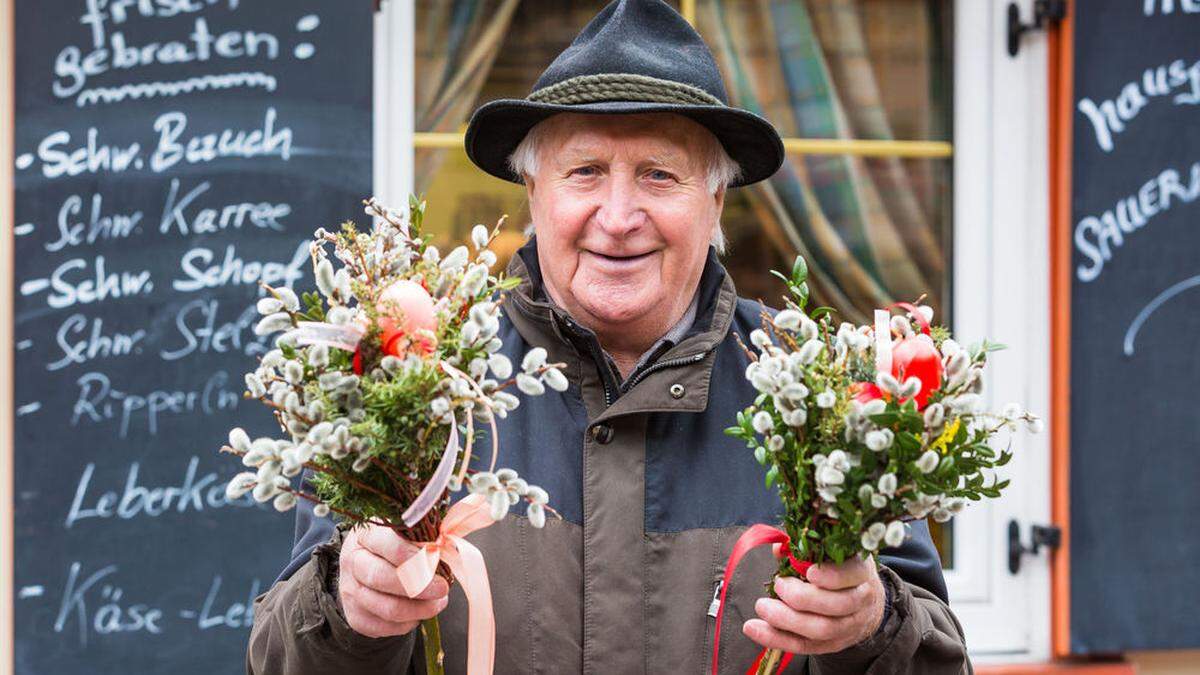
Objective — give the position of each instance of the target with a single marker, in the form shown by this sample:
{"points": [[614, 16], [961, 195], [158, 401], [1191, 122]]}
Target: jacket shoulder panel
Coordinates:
{"points": [[696, 475], [542, 440]]}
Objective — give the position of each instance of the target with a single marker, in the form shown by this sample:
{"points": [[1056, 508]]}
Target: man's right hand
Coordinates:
{"points": [[373, 601]]}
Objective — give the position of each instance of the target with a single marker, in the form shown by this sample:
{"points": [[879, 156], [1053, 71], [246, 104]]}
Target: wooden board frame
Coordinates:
{"points": [[1061, 64]]}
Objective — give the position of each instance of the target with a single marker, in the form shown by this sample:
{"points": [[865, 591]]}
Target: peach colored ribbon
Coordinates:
{"points": [[466, 516]]}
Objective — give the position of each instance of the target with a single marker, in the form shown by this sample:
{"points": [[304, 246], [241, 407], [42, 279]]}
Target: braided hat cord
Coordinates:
{"points": [[622, 87]]}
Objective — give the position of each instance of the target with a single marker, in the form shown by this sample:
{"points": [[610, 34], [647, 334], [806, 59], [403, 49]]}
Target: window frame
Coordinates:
{"points": [[999, 188], [1001, 217]]}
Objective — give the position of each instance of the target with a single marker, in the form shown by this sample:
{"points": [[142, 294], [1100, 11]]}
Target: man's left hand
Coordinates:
{"points": [[839, 607]]}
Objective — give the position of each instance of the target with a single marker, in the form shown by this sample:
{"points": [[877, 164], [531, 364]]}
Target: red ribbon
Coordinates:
{"points": [[752, 538], [908, 307]]}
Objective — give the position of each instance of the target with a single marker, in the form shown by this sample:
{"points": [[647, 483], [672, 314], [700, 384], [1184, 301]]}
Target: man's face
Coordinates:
{"points": [[623, 216]]}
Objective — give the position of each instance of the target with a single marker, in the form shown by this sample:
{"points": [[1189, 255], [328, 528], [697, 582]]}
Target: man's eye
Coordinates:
{"points": [[584, 171], [659, 175]]}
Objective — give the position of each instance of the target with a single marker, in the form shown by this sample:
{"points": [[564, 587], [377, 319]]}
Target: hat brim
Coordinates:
{"points": [[498, 127]]}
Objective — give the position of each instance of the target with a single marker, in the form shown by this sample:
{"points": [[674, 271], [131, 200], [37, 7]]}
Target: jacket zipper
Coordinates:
{"points": [[715, 606], [670, 363], [597, 357], [605, 372]]}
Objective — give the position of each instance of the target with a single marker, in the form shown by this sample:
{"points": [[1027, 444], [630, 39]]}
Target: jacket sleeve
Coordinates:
{"points": [[299, 629], [919, 633]]}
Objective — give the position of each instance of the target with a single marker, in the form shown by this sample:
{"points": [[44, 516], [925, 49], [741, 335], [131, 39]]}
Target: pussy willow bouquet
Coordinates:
{"points": [[863, 428], [378, 382]]}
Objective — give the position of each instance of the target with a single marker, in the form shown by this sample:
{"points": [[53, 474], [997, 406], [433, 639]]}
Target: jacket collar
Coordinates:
{"points": [[688, 363]]}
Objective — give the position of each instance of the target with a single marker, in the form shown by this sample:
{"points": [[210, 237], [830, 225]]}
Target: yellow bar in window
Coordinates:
{"points": [[800, 146], [687, 9], [864, 148], [424, 139]]}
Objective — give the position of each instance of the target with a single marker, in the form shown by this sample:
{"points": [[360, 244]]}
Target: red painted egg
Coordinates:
{"points": [[915, 356], [406, 308]]}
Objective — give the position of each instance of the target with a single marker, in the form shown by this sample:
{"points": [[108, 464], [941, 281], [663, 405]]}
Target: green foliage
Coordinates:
{"points": [[829, 524], [314, 307], [372, 428], [797, 283], [399, 434]]}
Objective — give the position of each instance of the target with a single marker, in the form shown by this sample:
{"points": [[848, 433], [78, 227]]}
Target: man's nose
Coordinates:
{"points": [[620, 211]]}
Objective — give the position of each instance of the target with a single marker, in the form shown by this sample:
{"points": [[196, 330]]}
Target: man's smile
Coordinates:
{"points": [[618, 261]]}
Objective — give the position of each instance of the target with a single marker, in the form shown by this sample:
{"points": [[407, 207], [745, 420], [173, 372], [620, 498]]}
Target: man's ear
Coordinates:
{"points": [[719, 199], [529, 201]]}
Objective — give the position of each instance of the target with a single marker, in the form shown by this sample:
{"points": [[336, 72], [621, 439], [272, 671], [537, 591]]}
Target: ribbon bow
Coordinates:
{"points": [[465, 560], [756, 536]]}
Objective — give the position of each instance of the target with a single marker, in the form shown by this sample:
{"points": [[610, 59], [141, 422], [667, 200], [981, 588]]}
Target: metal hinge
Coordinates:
{"points": [[1039, 536], [1044, 11]]}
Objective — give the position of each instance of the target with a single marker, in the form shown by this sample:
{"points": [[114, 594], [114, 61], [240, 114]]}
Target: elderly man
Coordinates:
{"points": [[626, 148]]}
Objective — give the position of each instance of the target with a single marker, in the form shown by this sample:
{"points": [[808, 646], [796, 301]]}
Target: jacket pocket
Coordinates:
{"points": [[710, 625]]}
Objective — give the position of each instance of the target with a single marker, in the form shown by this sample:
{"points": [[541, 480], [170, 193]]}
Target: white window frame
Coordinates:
{"points": [[1001, 290], [394, 93], [1000, 287]]}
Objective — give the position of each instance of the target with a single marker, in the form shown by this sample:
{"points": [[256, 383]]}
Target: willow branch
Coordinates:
{"points": [[337, 474], [347, 514]]}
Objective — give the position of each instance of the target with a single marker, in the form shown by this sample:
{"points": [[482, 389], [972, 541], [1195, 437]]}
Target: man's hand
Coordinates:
{"points": [[372, 598], [839, 607]]}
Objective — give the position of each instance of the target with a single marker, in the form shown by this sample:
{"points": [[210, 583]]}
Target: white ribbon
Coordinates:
{"points": [[437, 484], [883, 341], [320, 333]]}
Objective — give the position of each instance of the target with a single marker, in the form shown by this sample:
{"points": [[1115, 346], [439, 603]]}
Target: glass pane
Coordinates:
{"points": [[871, 229], [875, 230], [943, 538], [472, 51], [873, 69], [460, 195]]}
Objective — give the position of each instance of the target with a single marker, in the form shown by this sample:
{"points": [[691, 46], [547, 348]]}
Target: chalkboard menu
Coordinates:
{"points": [[1135, 326], [170, 155]]}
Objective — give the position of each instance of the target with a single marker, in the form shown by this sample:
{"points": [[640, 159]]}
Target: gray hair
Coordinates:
{"points": [[722, 170]]}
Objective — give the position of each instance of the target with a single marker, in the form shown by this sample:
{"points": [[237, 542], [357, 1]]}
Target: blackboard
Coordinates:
{"points": [[1135, 326], [169, 154]]}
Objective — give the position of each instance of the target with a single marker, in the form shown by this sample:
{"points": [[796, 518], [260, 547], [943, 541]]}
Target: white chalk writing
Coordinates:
{"points": [[1096, 237], [199, 330], [209, 220], [99, 402], [111, 616], [95, 343], [199, 272], [1109, 116], [99, 226], [194, 493]]}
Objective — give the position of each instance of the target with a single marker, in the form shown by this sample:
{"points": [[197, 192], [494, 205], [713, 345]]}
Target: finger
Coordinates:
{"points": [[437, 588], [805, 597], [395, 609], [772, 638], [374, 627], [375, 573], [386, 544], [846, 575], [804, 624], [777, 550]]}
